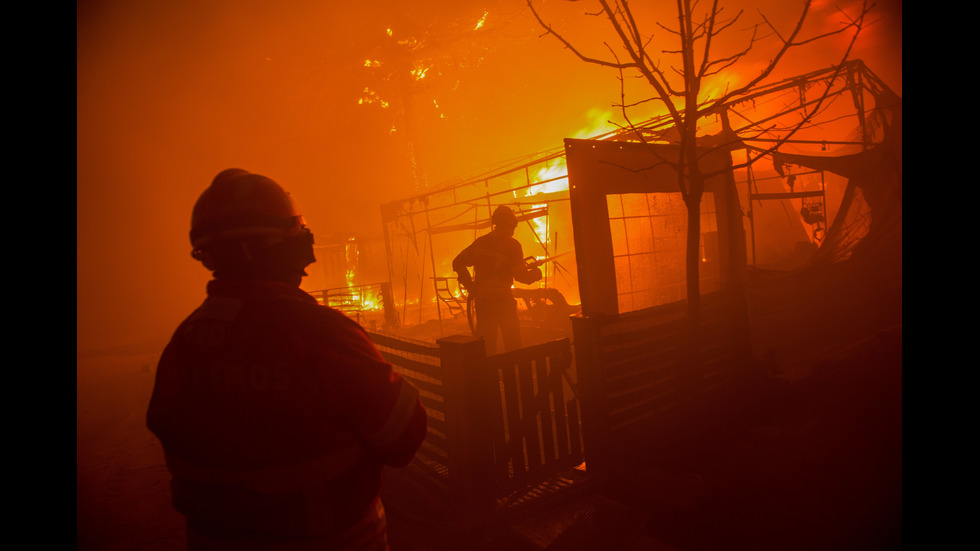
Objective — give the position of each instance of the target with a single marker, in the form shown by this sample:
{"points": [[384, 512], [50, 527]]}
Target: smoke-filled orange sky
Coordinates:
{"points": [[170, 92]]}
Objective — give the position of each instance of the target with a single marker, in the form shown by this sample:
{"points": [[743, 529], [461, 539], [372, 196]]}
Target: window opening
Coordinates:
{"points": [[648, 233]]}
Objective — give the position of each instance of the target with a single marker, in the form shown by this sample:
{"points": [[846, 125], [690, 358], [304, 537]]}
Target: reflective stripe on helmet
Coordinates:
{"points": [[328, 466]]}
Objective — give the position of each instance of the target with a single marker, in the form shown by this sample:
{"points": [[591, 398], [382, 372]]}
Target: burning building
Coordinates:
{"points": [[799, 255], [774, 202]]}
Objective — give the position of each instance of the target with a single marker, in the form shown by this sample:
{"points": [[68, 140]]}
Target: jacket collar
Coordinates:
{"points": [[255, 288]]}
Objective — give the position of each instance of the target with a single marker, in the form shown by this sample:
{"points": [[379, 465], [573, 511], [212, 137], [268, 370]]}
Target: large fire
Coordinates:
{"points": [[553, 177]]}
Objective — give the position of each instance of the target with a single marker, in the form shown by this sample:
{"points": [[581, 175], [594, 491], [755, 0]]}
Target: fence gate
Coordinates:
{"points": [[537, 434], [502, 429]]}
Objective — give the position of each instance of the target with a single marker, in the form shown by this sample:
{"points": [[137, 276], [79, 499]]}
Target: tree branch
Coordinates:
{"points": [[567, 44]]}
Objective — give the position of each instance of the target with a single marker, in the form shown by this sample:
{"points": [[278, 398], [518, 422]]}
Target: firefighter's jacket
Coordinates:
{"points": [[277, 415], [497, 260]]}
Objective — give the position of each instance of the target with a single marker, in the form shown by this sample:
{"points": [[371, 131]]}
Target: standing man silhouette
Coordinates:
{"points": [[277, 415], [498, 260]]}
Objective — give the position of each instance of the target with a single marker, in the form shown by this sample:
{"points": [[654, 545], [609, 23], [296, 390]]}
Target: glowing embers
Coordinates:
{"points": [[369, 96], [482, 21], [419, 72]]}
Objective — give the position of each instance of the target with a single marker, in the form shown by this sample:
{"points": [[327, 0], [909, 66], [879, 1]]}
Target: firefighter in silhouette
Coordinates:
{"points": [[276, 414], [498, 260]]}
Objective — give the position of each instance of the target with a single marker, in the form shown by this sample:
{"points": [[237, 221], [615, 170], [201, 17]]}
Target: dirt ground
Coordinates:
{"points": [[123, 500], [819, 466]]}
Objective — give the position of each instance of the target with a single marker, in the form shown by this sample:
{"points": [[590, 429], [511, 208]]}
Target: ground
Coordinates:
{"points": [[818, 466]]}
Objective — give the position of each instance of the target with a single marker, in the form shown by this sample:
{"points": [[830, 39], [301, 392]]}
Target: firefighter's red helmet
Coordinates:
{"points": [[241, 204]]}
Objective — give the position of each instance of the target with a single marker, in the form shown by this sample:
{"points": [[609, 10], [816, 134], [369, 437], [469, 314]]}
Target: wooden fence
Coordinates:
{"points": [[504, 428], [420, 364], [499, 426], [641, 386], [537, 432]]}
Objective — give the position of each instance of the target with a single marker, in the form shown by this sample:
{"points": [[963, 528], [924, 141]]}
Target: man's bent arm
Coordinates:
{"points": [[461, 265]]}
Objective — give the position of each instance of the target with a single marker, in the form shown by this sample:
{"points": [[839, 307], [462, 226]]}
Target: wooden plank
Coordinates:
{"points": [[574, 431], [664, 374], [513, 451], [436, 424], [559, 365], [639, 322], [545, 392], [640, 325], [529, 412], [404, 346], [627, 335], [648, 361], [645, 407], [428, 370], [499, 436], [424, 475], [658, 334], [588, 366], [641, 399], [432, 404], [434, 445], [425, 385], [434, 454]]}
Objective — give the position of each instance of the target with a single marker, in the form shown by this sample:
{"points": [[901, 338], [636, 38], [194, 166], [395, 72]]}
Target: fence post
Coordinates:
{"points": [[469, 400], [585, 331]]}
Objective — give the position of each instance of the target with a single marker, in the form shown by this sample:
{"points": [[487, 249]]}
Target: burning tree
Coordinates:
{"points": [[681, 87], [412, 69]]}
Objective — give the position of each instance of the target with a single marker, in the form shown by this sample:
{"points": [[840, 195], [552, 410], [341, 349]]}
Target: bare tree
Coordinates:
{"points": [[678, 86]]}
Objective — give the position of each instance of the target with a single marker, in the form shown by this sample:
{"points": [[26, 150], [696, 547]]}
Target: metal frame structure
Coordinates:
{"points": [[754, 118]]}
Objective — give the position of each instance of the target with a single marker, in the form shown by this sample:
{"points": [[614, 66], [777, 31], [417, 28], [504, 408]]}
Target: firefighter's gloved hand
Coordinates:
{"points": [[464, 283], [535, 274]]}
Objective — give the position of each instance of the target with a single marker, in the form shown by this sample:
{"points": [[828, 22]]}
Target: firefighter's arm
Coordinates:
{"points": [[404, 427], [383, 405], [461, 265]]}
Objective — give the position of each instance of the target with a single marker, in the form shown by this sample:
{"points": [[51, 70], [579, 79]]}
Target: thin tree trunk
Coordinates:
{"points": [[693, 265]]}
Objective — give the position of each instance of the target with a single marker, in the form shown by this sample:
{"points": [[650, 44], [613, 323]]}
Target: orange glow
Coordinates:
{"points": [[167, 98], [553, 175], [346, 104]]}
